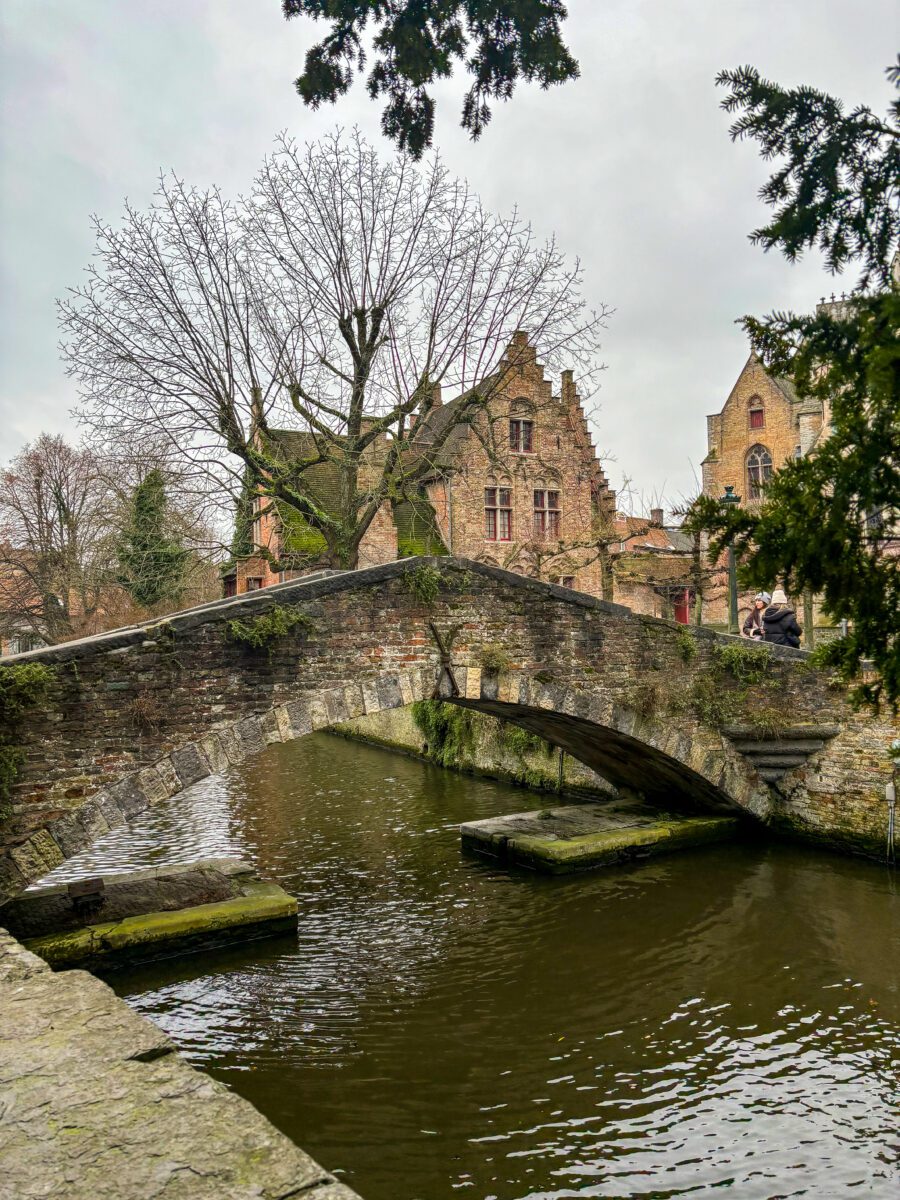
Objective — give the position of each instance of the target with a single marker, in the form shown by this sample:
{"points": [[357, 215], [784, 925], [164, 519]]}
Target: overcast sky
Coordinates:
{"points": [[631, 166]]}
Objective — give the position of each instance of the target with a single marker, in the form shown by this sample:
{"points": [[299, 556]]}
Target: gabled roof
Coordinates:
{"points": [[431, 428]]}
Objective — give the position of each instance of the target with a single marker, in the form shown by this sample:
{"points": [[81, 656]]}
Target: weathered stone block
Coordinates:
{"points": [[189, 764], [370, 696], [69, 834], [335, 705], [250, 733], [215, 753], [111, 810], [299, 717], [12, 881], [353, 700], [37, 856], [283, 721], [151, 785], [232, 745], [406, 690], [129, 796], [167, 775]]}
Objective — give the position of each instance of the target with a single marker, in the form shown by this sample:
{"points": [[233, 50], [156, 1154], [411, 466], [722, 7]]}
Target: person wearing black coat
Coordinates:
{"points": [[780, 622]]}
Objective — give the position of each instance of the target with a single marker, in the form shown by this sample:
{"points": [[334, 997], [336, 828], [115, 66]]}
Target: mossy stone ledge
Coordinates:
{"points": [[570, 838]]}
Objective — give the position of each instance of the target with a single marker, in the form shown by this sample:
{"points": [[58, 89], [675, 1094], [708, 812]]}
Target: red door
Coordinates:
{"points": [[683, 607]]}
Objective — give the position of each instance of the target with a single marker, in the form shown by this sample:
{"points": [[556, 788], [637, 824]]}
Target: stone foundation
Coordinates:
{"points": [[488, 754]]}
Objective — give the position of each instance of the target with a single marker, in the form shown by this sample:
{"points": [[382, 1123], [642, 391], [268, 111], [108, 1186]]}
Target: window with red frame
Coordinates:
{"points": [[497, 514], [546, 515], [521, 436], [757, 413]]}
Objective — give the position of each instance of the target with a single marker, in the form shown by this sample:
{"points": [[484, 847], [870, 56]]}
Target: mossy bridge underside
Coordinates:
{"points": [[135, 716]]}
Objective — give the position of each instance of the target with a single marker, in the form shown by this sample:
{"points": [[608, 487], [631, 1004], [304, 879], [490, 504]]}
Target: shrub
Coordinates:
{"points": [[146, 711], [714, 704], [686, 645], [494, 659], [749, 665], [520, 741], [424, 581], [262, 632], [643, 697]]}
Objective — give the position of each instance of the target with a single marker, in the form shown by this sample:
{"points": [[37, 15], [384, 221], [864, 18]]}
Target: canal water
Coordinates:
{"points": [[727, 1020]]}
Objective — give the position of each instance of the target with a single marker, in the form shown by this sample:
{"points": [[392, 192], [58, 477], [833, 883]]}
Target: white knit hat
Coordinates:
{"points": [[778, 596]]}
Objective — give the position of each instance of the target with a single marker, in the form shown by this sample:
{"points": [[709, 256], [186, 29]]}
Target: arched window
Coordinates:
{"points": [[757, 413], [759, 470]]}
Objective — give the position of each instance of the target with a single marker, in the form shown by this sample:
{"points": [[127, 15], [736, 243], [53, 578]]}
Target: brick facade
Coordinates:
{"points": [[762, 425], [556, 464], [522, 487]]}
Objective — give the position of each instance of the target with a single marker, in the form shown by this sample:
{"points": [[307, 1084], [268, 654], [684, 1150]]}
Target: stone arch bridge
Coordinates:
{"points": [[136, 715]]}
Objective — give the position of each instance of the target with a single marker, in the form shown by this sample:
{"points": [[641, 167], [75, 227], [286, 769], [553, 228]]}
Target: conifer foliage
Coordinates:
{"points": [[830, 521], [418, 41], [152, 561]]}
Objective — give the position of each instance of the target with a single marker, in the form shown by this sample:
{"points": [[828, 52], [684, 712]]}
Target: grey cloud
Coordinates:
{"points": [[631, 166]]}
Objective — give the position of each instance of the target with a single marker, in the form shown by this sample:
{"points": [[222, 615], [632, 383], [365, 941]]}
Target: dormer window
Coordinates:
{"points": [[521, 436], [757, 413]]}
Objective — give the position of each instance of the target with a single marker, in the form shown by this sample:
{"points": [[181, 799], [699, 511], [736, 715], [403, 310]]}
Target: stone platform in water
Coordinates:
{"points": [[581, 837], [148, 913]]}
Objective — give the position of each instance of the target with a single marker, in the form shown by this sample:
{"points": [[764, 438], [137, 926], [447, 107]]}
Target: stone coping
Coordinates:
{"points": [[99, 1105], [317, 586]]}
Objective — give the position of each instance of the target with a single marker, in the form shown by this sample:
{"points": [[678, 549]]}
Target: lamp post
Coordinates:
{"points": [[726, 500]]}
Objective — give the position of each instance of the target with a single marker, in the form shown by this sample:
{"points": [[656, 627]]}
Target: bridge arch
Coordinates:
{"points": [[669, 769], [381, 638]]}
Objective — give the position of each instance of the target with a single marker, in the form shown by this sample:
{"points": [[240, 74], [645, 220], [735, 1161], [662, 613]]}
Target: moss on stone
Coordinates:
{"points": [[23, 687], [262, 904], [557, 855]]}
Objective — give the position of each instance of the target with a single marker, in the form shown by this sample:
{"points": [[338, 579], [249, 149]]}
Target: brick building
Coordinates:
{"points": [[762, 425], [520, 485], [517, 483], [653, 567]]}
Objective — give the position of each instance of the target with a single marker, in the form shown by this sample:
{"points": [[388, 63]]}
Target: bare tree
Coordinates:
{"points": [[331, 302], [53, 522]]}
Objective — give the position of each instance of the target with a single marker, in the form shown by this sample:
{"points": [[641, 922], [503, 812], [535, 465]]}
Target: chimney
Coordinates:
{"points": [[567, 392], [436, 395], [656, 516]]}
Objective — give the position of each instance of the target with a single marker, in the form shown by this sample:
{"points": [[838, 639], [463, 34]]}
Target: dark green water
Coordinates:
{"points": [[724, 1020]]}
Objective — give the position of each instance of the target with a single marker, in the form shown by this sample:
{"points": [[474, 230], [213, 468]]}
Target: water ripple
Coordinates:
{"points": [[727, 1020]]}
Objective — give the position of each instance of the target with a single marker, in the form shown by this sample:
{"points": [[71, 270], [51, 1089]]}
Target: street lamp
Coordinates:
{"points": [[726, 500]]}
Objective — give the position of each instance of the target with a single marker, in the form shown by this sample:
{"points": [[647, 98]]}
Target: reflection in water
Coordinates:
{"points": [[726, 1019]]}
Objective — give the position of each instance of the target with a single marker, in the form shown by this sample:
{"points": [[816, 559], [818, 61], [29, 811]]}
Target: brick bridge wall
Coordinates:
{"points": [[136, 715]]}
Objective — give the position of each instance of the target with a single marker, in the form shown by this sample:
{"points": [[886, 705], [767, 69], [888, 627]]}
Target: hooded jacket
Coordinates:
{"points": [[780, 626]]}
